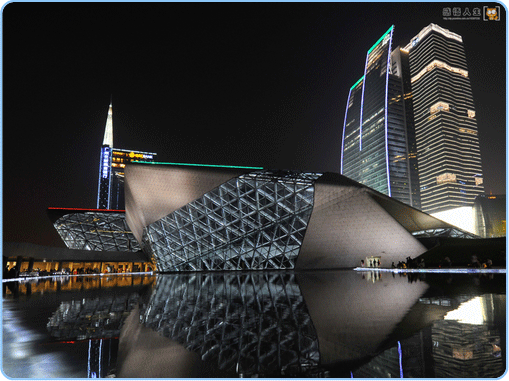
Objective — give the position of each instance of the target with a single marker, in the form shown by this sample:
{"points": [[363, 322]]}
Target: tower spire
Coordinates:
{"points": [[108, 132]]}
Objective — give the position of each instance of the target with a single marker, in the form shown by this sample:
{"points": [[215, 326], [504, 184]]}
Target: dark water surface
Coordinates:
{"points": [[337, 324]]}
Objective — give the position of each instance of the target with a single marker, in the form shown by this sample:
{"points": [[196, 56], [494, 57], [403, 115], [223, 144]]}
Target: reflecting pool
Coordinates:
{"points": [[339, 324]]}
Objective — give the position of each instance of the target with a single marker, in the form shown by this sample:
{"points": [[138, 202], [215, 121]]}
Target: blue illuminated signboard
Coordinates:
{"points": [[105, 162]]}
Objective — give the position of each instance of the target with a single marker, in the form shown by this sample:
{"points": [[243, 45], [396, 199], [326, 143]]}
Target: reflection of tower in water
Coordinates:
{"points": [[97, 320], [467, 343], [463, 340], [101, 354]]}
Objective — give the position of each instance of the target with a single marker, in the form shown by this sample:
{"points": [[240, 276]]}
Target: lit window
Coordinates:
{"points": [[439, 106], [471, 114], [436, 63], [446, 178], [478, 181], [468, 131]]}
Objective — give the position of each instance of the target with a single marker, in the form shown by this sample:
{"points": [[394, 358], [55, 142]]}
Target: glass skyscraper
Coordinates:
{"points": [[375, 142], [450, 171], [410, 128]]}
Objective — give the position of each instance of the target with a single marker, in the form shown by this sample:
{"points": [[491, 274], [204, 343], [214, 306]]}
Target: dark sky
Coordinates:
{"points": [[256, 84]]}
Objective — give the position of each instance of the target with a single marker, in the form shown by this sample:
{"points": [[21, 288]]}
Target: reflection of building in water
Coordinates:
{"points": [[387, 364], [354, 314], [372, 276], [460, 341], [100, 355], [263, 324], [466, 350], [64, 284], [466, 343], [91, 318], [253, 324]]}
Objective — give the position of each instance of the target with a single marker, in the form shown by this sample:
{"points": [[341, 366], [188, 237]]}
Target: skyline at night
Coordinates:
{"points": [[266, 87], [410, 128]]}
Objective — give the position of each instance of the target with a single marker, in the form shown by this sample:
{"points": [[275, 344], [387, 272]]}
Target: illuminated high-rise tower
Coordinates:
{"points": [[375, 144], [110, 192], [104, 187], [448, 154]]}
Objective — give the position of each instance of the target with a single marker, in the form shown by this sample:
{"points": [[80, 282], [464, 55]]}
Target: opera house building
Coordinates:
{"points": [[189, 217]]}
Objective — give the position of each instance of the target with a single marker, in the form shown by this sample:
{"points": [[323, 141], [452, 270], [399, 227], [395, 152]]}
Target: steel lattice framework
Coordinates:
{"points": [[254, 324], [254, 221], [99, 231], [443, 232]]}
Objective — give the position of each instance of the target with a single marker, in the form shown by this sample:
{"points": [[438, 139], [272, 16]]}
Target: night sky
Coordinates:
{"points": [[255, 84]]}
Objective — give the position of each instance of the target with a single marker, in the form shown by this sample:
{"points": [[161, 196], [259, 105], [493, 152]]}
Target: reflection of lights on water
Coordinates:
{"points": [[471, 312], [21, 357], [20, 353], [400, 355]]}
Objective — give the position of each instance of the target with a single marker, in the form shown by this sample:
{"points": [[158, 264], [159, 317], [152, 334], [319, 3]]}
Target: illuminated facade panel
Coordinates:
{"points": [[450, 172], [104, 187], [120, 158], [95, 230], [111, 176], [375, 144]]}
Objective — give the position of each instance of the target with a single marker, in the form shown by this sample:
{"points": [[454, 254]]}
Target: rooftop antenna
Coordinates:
{"points": [[108, 132]]}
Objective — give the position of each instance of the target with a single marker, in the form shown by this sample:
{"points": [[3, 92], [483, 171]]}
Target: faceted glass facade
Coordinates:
{"points": [[401, 71], [254, 221], [96, 231], [375, 143]]}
